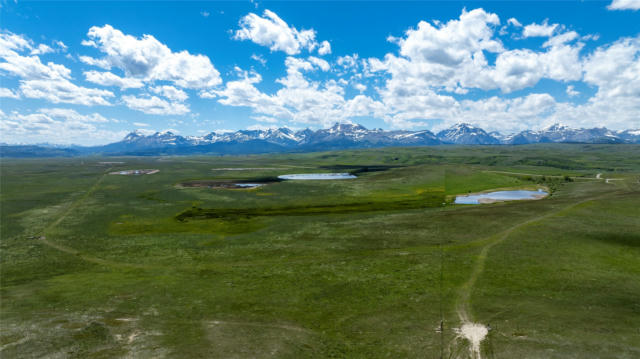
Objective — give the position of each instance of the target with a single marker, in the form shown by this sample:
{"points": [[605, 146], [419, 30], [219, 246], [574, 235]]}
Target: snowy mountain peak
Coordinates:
{"points": [[132, 136], [347, 135], [346, 128], [464, 133], [165, 133], [463, 126], [556, 127], [282, 135]]}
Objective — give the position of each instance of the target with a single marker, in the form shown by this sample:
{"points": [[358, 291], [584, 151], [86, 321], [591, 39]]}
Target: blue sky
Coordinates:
{"points": [[89, 72]]}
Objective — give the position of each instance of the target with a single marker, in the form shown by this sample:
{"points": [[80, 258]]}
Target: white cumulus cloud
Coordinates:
{"points": [[170, 92], [148, 59], [111, 79], [50, 81], [325, 48], [56, 125], [101, 63], [624, 5], [41, 50], [154, 105], [514, 22], [8, 93], [260, 59], [539, 30], [64, 91], [271, 31]]}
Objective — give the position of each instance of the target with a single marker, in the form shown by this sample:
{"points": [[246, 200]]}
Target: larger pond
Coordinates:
{"points": [[500, 196], [317, 176]]}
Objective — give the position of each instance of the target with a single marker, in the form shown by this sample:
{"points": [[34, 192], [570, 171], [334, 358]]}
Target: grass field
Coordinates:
{"points": [[95, 265]]}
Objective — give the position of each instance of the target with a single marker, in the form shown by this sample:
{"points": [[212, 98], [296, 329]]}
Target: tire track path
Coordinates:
{"points": [[62, 248], [473, 332]]}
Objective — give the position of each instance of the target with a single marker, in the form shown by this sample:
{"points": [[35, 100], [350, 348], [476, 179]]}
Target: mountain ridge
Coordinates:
{"points": [[339, 136]]}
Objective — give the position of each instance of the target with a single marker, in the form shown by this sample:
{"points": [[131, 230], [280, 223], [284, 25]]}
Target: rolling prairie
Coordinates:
{"points": [[101, 265]]}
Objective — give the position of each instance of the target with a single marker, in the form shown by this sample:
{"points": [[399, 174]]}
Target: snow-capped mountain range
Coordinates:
{"points": [[559, 133], [343, 136], [345, 133]]}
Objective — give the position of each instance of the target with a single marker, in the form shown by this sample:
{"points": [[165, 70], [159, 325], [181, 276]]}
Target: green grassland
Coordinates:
{"points": [[95, 265]]}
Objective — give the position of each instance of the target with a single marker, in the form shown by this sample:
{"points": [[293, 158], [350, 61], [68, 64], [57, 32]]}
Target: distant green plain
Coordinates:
{"points": [[95, 265]]}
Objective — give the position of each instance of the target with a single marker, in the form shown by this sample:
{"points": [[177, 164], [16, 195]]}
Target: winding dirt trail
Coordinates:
{"points": [[75, 204], [86, 257], [474, 333], [83, 256]]}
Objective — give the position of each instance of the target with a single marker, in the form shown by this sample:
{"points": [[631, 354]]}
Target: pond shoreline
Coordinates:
{"points": [[501, 195], [317, 176]]}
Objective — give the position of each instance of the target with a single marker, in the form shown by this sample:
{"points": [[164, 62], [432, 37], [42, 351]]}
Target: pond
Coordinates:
{"points": [[135, 172], [317, 176], [500, 196], [248, 185], [219, 184]]}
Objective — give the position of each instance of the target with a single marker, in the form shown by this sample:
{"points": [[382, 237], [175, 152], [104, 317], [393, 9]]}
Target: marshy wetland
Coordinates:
{"points": [[189, 263]]}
